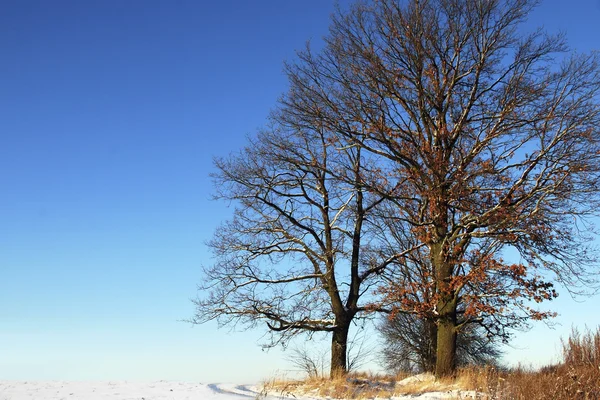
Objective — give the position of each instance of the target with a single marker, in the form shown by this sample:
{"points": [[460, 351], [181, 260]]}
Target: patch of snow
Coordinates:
{"points": [[453, 394], [426, 377]]}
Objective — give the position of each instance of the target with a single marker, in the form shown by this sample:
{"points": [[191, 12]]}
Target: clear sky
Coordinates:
{"points": [[110, 114]]}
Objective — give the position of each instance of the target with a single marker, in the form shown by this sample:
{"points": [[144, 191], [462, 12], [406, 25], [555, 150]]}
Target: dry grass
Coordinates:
{"points": [[351, 387], [550, 383], [577, 377], [361, 386]]}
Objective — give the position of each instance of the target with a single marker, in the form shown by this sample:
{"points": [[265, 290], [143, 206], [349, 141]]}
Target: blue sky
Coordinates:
{"points": [[110, 115]]}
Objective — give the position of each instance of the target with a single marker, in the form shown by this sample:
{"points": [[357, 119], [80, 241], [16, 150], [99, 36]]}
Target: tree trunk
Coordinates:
{"points": [[445, 363], [446, 344], [339, 349], [432, 346]]}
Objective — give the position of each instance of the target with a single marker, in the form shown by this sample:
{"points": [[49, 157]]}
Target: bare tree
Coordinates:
{"points": [[487, 140], [291, 255], [409, 344], [313, 360], [312, 363]]}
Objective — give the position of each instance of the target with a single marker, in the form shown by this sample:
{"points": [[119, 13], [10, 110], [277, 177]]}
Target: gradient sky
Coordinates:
{"points": [[110, 115]]}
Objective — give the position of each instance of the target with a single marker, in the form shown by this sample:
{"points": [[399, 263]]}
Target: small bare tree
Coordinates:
{"points": [[409, 344], [313, 363], [313, 360]]}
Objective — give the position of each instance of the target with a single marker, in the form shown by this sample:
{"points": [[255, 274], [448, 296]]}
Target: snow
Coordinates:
{"points": [[426, 377], [121, 390], [160, 390]]}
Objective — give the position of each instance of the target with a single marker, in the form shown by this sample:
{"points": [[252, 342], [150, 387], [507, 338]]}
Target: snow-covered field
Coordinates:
{"points": [[119, 390], [161, 390]]}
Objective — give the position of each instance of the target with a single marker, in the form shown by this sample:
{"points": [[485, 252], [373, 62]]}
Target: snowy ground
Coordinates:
{"points": [[162, 390]]}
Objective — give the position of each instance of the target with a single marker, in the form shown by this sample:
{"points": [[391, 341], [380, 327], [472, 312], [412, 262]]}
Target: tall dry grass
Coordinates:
{"points": [[577, 376]]}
